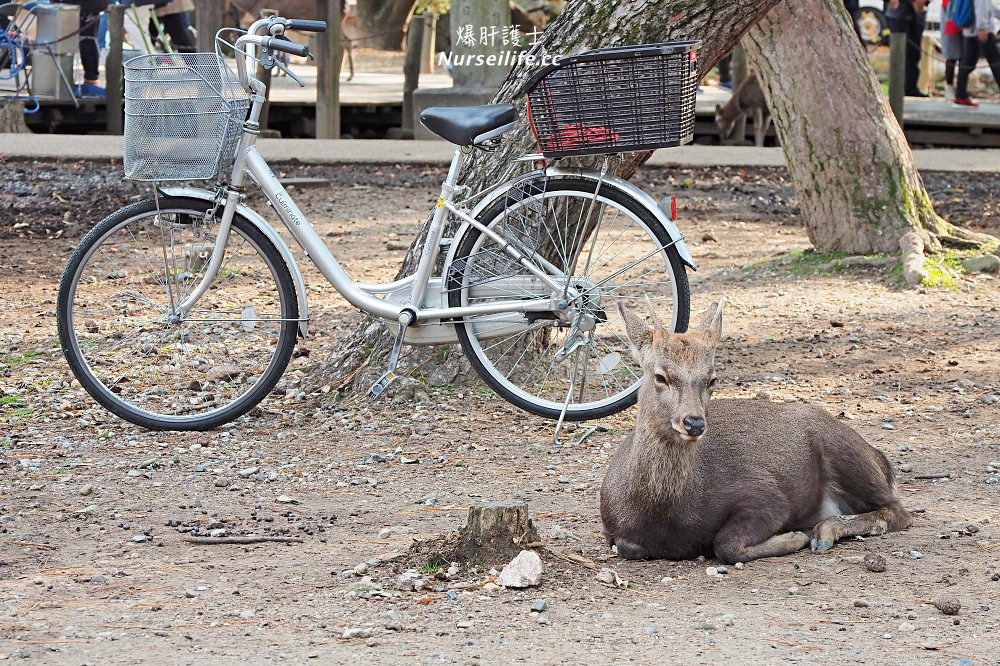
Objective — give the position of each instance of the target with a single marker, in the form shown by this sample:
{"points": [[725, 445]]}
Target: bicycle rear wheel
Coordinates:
{"points": [[123, 341], [612, 249]]}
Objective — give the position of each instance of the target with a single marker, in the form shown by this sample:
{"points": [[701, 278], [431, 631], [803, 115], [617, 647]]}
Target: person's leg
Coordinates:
{"points": [[970, 56], [90, 55], [991, 51], [175, 26], [914, 35], [949, 71]]}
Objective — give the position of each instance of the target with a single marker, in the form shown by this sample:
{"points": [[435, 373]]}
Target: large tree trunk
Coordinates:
{"points": [[853, 170], [381, 23], [585, 24]]}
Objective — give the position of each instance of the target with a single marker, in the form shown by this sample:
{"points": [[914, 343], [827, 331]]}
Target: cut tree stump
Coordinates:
{"points": [[12, 117], [495, 533]]}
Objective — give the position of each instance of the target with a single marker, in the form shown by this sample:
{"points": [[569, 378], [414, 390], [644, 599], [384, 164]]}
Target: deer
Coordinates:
{"points": [[740, 478], [747, 100]]}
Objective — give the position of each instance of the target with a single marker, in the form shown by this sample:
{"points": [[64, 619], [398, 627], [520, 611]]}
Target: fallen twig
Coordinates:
{"points": [[572, 557], [211, 541], [936, 475]]}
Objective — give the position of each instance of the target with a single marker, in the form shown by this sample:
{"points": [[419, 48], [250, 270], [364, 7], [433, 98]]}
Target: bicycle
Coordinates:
{"points": [[181, 311]]}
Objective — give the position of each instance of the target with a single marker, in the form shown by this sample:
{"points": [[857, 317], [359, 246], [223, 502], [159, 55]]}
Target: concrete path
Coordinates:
{"points": [[313, 151]]}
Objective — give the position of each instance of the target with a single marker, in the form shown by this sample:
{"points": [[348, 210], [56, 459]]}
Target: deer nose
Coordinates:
{"points": [[694, 426]]}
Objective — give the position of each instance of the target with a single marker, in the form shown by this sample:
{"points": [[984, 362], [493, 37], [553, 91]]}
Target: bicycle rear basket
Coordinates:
{"points": [[184, 114], [614, 100]]}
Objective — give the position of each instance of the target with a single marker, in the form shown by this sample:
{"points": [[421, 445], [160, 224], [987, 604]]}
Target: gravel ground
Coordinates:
{"points": [[94, 513]]}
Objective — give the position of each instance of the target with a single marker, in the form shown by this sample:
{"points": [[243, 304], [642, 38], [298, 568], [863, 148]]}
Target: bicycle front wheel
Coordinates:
{"points": [[608, 249], [126, 344]]}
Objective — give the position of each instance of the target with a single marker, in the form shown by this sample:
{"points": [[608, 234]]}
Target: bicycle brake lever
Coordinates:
{"points": [[281, 66]]}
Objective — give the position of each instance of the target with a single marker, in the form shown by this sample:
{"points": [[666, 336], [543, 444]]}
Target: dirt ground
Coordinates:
{"points": [[94, 512]]}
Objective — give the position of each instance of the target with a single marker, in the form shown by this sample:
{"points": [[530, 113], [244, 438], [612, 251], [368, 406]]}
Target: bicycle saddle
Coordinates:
{"points": [[468, 125]]}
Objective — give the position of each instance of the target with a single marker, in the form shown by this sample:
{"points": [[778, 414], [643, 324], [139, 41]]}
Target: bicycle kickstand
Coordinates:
{"points": [[379, 387]]}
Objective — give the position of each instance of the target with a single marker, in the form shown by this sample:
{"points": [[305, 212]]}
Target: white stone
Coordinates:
{"points": [[525, 570]]}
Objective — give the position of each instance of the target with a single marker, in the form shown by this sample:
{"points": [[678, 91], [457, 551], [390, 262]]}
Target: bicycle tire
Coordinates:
{"points": [[462, 283], [78, 328]]}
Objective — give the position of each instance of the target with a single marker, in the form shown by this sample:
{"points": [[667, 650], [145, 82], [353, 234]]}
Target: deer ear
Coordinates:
{"points": [[711, 322], [639, 334]]}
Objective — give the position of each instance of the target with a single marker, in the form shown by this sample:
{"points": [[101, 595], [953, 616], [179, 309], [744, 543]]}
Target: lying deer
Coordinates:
{"points": [[745, 478]]}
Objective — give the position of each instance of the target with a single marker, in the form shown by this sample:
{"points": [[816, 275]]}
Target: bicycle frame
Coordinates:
{"points": [[365, 296]]}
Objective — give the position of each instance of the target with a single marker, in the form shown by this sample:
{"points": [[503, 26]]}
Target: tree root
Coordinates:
{"points": [[911, 246]]}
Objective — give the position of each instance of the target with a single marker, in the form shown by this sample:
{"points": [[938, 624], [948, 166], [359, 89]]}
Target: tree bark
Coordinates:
{"points": [[12, 117], [585, 24], [853, 170], [381, 23]]}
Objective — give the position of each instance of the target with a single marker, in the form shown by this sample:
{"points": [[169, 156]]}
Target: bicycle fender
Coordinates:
{"points": [[272, 235], [615, 182]]}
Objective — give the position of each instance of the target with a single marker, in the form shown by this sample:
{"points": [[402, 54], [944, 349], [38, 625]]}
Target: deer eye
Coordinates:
{"points": [[661, 379]]}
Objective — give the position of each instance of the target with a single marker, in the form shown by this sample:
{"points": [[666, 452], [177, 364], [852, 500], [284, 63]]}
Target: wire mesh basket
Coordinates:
{"points": [[184, 114], [615, 100]]}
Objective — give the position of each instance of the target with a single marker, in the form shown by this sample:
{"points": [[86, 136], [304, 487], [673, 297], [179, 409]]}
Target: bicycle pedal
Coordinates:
{"points": [[379, 387]]}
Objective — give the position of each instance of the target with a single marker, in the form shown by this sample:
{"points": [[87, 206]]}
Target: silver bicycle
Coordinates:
{"points": [[181, 312]]}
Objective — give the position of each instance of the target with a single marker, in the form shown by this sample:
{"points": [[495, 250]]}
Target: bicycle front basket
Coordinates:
{"points": [[614, 100], [184, 115]]}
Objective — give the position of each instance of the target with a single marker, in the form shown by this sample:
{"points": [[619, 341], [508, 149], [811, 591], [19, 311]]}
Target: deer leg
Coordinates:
{"points": [[873, 523], [748, 537], [758, 127], [630, 551]]}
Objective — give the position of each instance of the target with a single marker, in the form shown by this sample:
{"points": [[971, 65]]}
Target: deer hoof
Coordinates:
{"points": [[820, 545]]}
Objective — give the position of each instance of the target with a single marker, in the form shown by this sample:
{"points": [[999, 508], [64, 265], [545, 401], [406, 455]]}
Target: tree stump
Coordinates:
{"points": [[12, 117], [495, 532]]}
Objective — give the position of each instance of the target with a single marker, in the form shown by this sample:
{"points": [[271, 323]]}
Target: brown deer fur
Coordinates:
{"points": [[763, 479]]}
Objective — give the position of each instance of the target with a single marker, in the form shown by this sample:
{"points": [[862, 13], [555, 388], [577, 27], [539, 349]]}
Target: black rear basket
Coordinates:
{"points": [[615, 100]]}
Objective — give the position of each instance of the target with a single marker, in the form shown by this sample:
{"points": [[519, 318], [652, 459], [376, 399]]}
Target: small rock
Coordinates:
{"points": [[992, 480], [666, 580], [711, 571], [358, 632], [916, 554], [972, 528], [906, 468], [408, 461], [139, 538], [86, 490], [248, 472], [223, 373], [247, 613], [888, 426], [540, 606], [874, 563], [610, 577], [860, 603], [98, 578], [906, 627], [361, 569], [285, 499], [217, 533], [987, 263], [948, 605], [887, 636], [451, 594], [525, 570], [722, 569], [221, 482]]}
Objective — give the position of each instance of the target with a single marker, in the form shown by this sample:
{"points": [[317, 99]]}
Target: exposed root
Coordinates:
{"points": [[912, 247]]}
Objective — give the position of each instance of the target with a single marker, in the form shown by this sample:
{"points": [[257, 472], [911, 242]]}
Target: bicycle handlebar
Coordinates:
{"points": [[306, 26], [285, 46]]}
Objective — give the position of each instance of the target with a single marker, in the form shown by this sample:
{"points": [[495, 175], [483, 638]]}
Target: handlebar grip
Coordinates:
{"points": [[306, 26], [285, 46]]}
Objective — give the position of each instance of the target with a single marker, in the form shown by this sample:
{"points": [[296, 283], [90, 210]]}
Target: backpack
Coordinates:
{"points": [[962, 13]]}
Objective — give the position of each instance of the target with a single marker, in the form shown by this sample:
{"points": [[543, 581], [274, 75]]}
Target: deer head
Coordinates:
{"points": [[726, 122], [678, 373]]}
